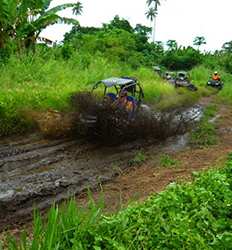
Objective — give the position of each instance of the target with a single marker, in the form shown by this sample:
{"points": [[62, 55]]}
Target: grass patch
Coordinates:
{"points": [[167, 161], [205, 133], [138, 160], [185, 216]]}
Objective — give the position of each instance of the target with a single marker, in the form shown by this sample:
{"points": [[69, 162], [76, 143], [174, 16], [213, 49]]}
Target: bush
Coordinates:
{"points": [[181, 59]]}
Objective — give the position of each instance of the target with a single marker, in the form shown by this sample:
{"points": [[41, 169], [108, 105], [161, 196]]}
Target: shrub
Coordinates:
{"points": [[181, 59]]}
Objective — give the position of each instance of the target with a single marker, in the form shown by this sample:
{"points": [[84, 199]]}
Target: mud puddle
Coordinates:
{"points": [[36, 173]]}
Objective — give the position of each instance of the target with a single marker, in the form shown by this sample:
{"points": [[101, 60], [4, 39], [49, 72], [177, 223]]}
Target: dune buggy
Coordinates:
{"points": [[124, 95], [182, 80]]}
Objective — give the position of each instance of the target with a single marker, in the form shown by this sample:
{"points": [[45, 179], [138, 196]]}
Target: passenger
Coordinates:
{"points": [[121, 101], [131, 107], [127, 103], [216, 76]]}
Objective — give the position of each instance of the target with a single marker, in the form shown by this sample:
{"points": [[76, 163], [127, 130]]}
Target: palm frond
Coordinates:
{"points": [[66, 20], [46, 4], [77, 10], [63, 7], [7, 10], [46, 20], [155, 2], [150, 2], [151, 13]]}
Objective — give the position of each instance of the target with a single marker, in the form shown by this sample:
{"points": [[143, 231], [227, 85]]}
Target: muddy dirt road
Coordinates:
{"points": [[35, 172]]}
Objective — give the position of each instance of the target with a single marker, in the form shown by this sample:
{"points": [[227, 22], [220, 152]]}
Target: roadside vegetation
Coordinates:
{"points": [[193, 215], [168, 161]]}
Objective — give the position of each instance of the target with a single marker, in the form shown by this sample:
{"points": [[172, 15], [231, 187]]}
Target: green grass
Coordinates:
{"points": [[205, 132], [138, 160], [193, 215], [167, 161]]}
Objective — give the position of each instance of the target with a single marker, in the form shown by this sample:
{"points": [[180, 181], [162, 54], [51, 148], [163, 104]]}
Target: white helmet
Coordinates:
{"points": [[215, 73]]}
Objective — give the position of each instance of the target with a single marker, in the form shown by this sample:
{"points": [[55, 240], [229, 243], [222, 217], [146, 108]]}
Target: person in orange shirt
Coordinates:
{"points": [[216, 76]]}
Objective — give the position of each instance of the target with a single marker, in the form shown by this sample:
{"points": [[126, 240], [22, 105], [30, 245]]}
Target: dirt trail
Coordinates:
{"points": [[37, 172]]}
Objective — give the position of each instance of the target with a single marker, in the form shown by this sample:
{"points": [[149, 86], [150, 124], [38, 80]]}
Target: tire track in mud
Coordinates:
{"points": [[37, 172]]}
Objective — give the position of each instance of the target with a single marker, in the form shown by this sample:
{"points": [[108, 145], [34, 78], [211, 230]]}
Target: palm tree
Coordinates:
{"points": [[23, 20], [172, 44], [227, 47], [151, 14], [198, 41]]}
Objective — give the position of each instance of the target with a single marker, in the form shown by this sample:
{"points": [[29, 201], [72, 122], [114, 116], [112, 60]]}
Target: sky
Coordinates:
{"points": [[180, 20]]}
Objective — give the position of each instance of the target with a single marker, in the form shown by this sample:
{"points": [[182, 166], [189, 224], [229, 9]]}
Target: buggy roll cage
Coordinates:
{"points": [[123, 83]]}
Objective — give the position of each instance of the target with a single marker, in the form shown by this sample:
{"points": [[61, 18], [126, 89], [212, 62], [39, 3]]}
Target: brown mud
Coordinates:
{"points": [[35, 172]]}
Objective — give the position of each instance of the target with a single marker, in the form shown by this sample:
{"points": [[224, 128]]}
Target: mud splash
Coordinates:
{"points": [[36, 173]]}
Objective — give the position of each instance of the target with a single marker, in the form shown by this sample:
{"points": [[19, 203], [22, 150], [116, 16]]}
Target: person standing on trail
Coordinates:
{"points": [[216, 76]]}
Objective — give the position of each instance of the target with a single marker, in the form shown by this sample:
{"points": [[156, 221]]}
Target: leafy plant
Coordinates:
{"points": [[167, 161], [139, 159], [22, 21], [205, 133]]}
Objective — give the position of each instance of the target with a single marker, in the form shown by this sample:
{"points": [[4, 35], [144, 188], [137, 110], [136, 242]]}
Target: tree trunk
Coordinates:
{"points": [[154, 30]]}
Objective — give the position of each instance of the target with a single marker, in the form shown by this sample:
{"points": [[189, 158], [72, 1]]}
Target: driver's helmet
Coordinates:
{"points": [[215, 73]]}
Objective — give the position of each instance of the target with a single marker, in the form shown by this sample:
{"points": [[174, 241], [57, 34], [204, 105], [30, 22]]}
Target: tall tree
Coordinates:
{"points": [[151, 14], [199, 41], [23, 20]]}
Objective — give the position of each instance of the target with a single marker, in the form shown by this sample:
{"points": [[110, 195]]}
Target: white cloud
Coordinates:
{"points": [[180, 20]]}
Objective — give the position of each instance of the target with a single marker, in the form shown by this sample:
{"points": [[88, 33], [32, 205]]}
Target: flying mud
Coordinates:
{"points": [[35, 172]]}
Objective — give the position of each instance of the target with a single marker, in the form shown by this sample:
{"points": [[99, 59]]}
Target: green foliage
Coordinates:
{"points": [[117, 40], [181, 59], [185, 216], [22, 21], [199, 40], [167, 161], [172, 45], [205, 133], [138, 160], [227, 47], [118, 23]]}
